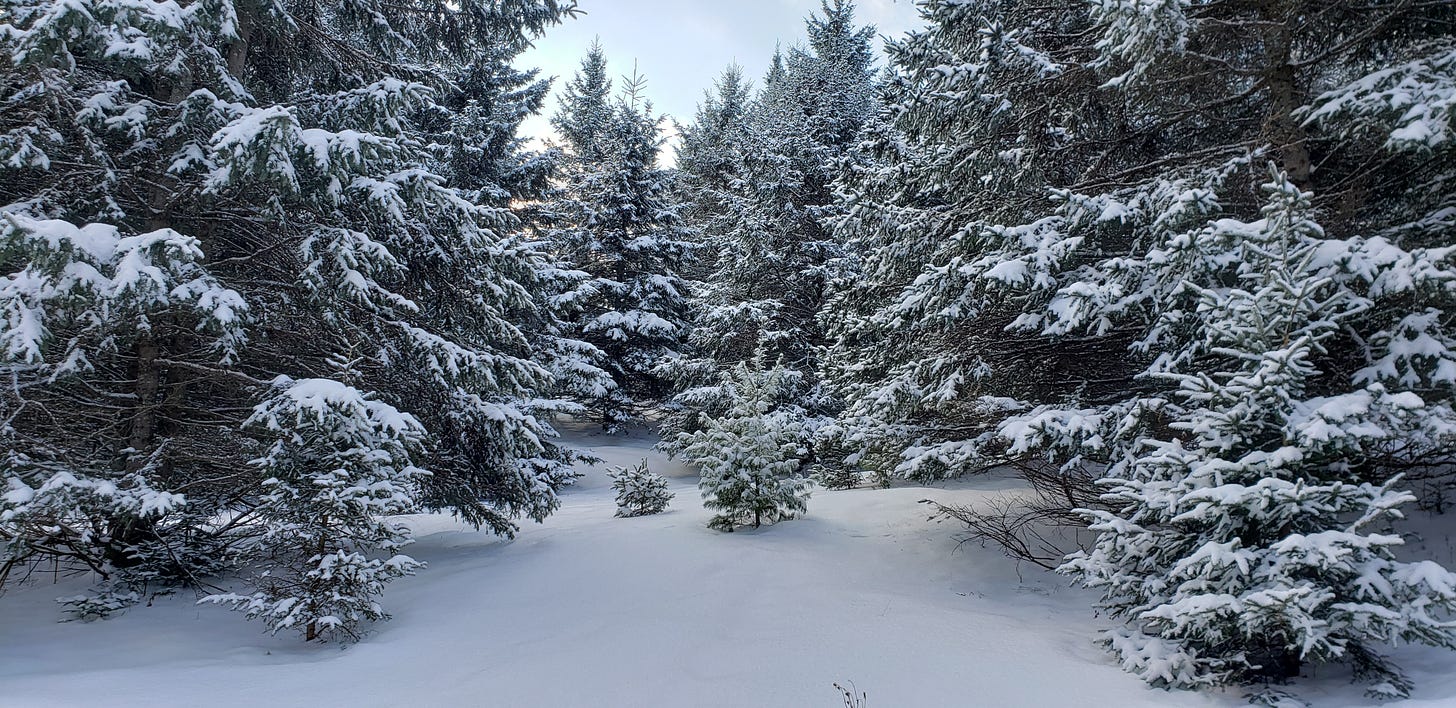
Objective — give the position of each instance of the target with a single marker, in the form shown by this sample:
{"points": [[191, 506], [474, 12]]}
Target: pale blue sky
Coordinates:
{"points": [[680, 47]]}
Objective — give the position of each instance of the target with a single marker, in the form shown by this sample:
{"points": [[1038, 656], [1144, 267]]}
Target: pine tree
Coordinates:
{"points": [[203, 199], [618, 225], [750, 457]]}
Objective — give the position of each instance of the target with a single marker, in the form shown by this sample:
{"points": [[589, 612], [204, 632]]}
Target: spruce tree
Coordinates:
{"points": [[750, 456], [478, 142], [771, 249], [1071, 266], [764, 217], [587, 108], [618, 225], [711, 147], [709, 162], [202, 200], [992, 303], [640, 491], [978, 110], [1242, 541], [338, 465]]}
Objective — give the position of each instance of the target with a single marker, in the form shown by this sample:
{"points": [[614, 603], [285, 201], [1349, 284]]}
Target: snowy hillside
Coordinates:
{"points": [[591, 610]]}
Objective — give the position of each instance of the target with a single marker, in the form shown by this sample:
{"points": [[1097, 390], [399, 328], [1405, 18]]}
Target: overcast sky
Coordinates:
{"points": [[680, 46]]}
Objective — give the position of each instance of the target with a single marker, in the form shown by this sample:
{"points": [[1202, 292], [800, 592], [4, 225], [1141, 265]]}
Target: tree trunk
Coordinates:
{"points": [[311, 632], [1276, 662], [237, 52], [1282, 130], [127, 530], [148, 382]]}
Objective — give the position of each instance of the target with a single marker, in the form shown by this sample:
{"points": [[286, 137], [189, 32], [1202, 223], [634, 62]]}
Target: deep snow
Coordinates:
{"points": [[592, 610]]}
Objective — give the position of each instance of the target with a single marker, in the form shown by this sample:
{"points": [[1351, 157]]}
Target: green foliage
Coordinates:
{"points": [[750, 456], [639, 491], [199, 199]]}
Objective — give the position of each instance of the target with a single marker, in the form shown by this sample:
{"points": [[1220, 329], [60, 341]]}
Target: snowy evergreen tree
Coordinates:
{"points": [[340, 464], [711, 148], [200, 199], [971, 138], [1061, 227], [992, 304], [709, 156], [767, 283], [618, 225], [1242, 545], [640, 491], [587, 108], [750, 457], [709, 162], [763, 216], [482, 152]]}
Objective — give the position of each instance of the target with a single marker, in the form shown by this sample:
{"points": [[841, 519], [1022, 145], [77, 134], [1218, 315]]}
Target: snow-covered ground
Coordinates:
{"points": [[591, 610]]}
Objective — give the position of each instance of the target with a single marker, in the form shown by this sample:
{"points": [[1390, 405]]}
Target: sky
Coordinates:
{"points": [[681, 46]]}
